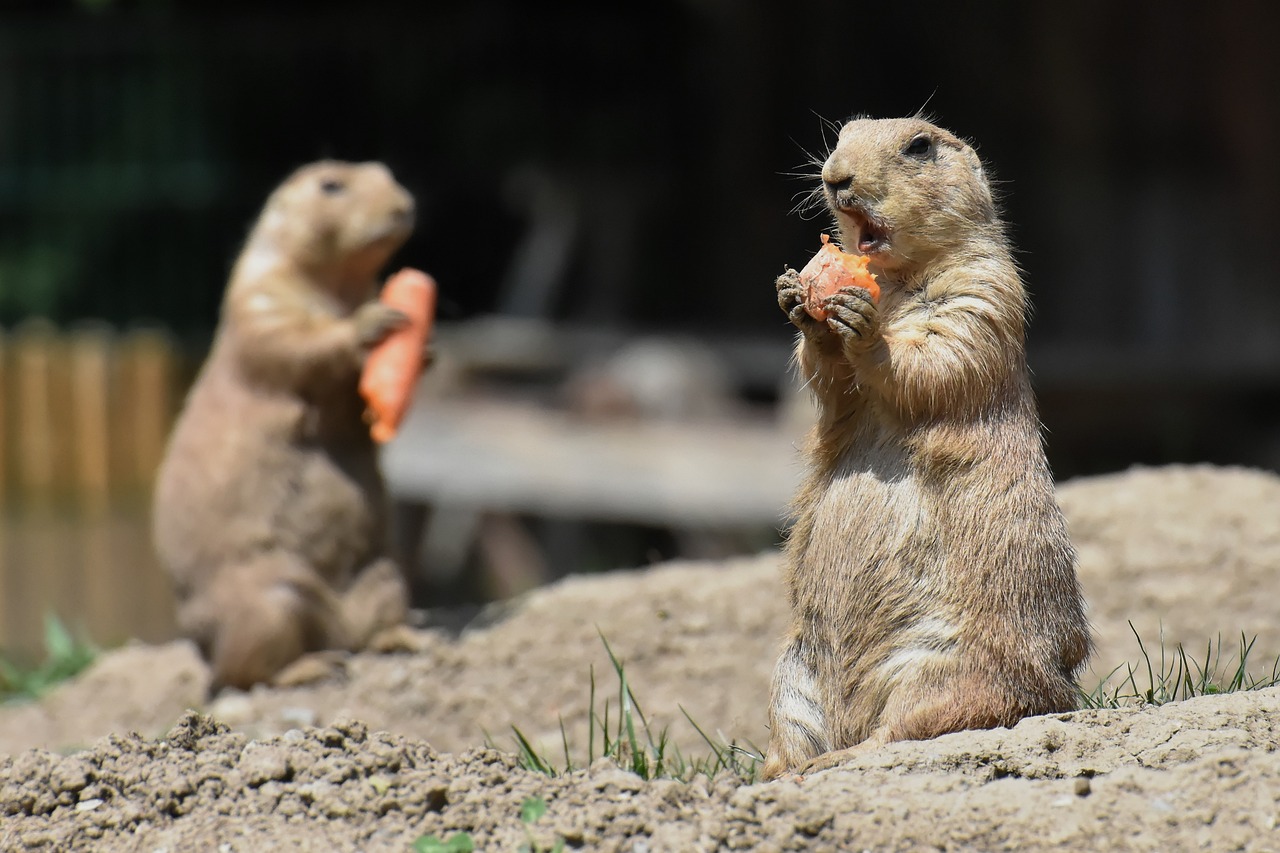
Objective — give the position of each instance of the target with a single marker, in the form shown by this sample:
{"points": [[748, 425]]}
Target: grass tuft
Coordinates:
{"points": [[65, 656], [621, 732], [1176, 675]]}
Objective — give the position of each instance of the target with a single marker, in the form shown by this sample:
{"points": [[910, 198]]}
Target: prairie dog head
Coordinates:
{"points": [[904, 191], [334, 217]]}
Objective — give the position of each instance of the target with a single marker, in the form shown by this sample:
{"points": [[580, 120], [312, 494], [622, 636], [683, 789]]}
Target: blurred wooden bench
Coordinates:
{"points": [[491, 464], [523, 458]]}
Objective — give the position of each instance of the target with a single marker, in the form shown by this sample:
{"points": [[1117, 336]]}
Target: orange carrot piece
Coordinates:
{"points": [[830, 270], [392, 367]]}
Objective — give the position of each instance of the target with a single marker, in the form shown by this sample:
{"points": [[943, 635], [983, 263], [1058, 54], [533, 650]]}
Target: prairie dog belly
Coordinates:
{"points": [[270, 484], [334, 519], [874, 514]]}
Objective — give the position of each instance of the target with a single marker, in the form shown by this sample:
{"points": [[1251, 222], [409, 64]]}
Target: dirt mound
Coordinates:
{"points": [[1192, 549], [1202, 773], [701, 636], [1195, 550]]}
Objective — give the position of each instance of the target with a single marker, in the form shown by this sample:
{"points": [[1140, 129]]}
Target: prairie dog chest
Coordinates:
{"points": [[868, 506]]}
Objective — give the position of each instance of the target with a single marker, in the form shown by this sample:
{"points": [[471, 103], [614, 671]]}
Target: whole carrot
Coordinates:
{"points": [[830, 270], [392, 367]]}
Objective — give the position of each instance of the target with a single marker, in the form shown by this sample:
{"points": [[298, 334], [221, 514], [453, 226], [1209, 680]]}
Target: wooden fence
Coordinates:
{"points": [[84, 414]]}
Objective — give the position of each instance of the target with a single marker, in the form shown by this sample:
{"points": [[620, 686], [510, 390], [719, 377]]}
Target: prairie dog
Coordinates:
{"points": [[931, 576], [270, 510]]}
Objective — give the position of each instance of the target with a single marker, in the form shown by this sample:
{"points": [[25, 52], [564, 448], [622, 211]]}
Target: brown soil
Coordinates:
{"points": [[1195, 550]]}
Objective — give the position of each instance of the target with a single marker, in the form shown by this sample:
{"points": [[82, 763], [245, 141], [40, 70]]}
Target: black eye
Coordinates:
{"points": [[332, 186], [921, 146]]}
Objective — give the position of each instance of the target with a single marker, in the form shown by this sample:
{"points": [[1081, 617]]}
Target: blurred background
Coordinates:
{"points": [[607, 194]]}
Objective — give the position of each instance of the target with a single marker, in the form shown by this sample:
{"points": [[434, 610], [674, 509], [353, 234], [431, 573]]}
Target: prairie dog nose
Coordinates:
{"points": [[404, 209], [840, 192], [835, 186]]}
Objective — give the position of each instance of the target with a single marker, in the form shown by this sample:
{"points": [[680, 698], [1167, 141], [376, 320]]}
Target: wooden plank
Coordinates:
{"points": [[522, 458]]}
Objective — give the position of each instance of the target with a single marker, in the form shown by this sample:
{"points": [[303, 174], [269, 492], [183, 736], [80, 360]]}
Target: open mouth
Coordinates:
{"points": [[868, 236]]}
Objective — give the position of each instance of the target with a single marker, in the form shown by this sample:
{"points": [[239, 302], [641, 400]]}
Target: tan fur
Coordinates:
{"points": [[270, 511], [931, 576]]}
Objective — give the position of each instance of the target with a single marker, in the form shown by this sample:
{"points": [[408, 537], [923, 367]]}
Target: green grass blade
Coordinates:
{"points": [[564, 741], [715, 747], [58, 643], [529, 758], [591, 720], [1151, 678]]}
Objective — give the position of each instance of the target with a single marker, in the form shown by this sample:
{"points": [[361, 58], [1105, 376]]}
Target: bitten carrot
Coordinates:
{"points": [[392, 367], [830, 270]]}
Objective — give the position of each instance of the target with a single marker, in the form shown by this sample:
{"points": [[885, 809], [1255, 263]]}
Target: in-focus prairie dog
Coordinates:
{"points": [[931, 576], [270, 511]]}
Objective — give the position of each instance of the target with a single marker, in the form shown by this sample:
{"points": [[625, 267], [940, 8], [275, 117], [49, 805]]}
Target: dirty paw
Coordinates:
{"points": [[791, 297], [374, 321], [853, 316]]}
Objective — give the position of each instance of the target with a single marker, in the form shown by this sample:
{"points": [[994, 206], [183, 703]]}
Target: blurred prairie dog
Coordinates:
{"points": [[270, 511], [931, 576]]}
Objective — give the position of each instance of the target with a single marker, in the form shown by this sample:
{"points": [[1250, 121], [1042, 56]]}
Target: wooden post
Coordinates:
{"points": [[147, 371], [5, 486], [42, 576], [7, 637], [147, 364], [90, 396], [100, 591], [33, 427]]}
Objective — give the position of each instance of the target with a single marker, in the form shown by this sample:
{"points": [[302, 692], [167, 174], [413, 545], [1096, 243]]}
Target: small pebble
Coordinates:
{"points": [[1083, 787], [232, 708]]}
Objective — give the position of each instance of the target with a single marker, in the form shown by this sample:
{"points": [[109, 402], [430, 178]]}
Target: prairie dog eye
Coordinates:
{"points": [[332, 186], [920, 147]]}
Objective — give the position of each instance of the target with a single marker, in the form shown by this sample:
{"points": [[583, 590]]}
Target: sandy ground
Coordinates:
{"points": [[394, 747]]}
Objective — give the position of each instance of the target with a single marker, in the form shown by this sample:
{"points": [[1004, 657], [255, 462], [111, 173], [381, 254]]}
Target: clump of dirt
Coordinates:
{"points": [[1193, 550]]}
